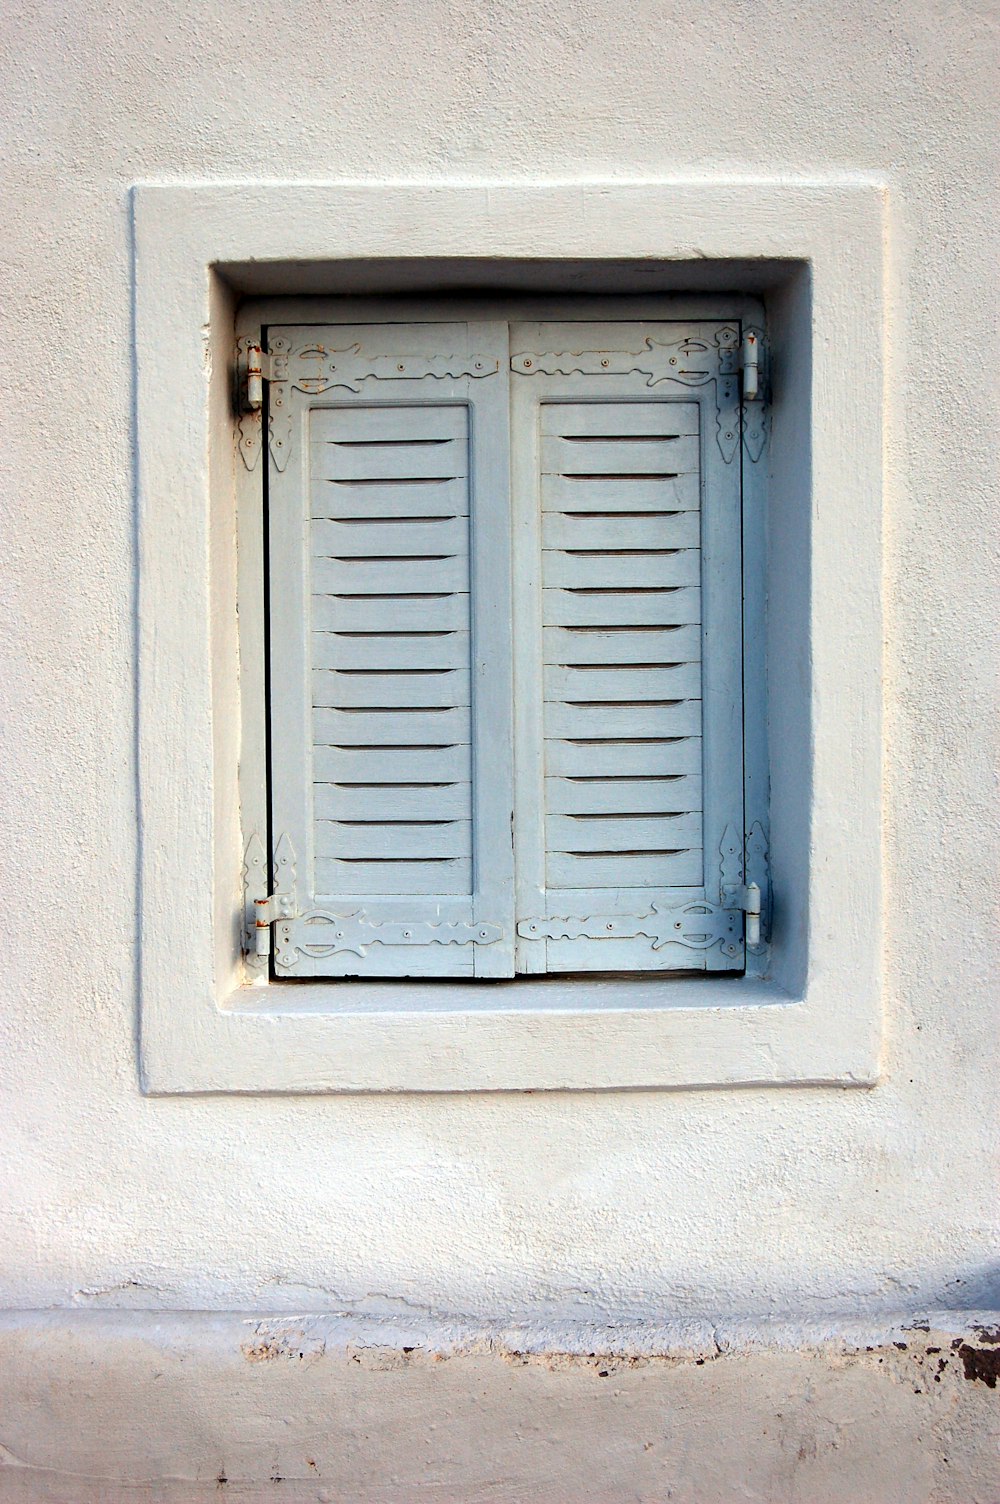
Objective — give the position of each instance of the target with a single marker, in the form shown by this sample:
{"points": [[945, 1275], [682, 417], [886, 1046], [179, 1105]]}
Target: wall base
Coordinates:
{"points": [[107, 1406]]}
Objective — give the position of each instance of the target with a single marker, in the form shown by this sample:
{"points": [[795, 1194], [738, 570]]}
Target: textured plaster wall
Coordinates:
{"points": [[599, 1207]]}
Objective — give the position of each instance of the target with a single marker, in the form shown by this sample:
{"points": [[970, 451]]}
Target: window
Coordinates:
{"points": [[209, 256], [506, 636]]}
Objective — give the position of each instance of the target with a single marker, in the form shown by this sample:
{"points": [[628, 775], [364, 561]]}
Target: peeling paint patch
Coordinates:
{"points": [[283, 1343], [981, 1364]]}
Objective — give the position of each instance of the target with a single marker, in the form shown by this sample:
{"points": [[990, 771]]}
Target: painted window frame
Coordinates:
{"points": [[817, 1016]]}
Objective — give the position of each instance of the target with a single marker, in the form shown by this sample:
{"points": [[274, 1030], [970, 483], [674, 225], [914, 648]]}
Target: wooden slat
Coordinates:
{"points": [[647, 870], [420, 801], [402, 462], [594, 645], [611, 833], [680, 682], [575, 530], [590, 759], [440, 688], [390, 728], [423, 498], [345, 539], [658, 459], [604, 722], [571, 493], [406, 764], [574, 608], [422, 613], [388, 422], [389, 878], [625, 570], [622, 795], [362, 840], [589, 418], [390, 576], [432, 650]]}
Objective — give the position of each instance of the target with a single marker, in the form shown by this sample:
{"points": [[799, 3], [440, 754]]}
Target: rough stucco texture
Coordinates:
{"points": [[594, 1206]]}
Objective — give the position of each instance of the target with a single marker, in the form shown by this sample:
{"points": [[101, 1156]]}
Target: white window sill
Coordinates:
{"points": [[515, 1036]]}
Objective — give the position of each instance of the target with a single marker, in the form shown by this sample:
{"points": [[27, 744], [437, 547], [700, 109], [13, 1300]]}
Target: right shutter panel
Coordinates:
{"points": [[629, 571]]}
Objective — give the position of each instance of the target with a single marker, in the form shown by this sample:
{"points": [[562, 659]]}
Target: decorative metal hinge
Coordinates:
{"points": [[279, 904], [698, 924], [746, 879], [315, 369], [319, 933], [753, 366], [693, 361]]}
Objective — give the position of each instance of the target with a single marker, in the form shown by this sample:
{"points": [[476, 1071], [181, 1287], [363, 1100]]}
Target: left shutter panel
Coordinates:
{"points": [[390, 705]]}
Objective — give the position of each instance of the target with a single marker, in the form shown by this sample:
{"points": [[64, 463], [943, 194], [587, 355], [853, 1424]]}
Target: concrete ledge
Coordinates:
{"points": [[107, 1406]]}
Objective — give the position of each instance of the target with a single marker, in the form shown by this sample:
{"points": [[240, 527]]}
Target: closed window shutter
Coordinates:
{"points": [[629, 683], [390, 613]]}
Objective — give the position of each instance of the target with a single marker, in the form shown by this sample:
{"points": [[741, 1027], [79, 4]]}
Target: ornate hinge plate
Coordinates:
{"points": [[698, 924], [693, 362], [319, 933], [316, 368]]}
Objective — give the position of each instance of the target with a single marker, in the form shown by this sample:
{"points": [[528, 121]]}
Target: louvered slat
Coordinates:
{"points": [[390, 652], [405, 764], [391, 801], [637, 758], [618, 459], [622, 794], [650, 607], [627, 568], [360, 879], [392, 840], [634, 493], [600, 646], [355, 689], [603, 532], [442, 460], [615, 681], [390, 613], [355, 501]]}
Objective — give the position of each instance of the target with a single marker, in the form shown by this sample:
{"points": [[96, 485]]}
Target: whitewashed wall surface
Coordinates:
{"points": [[778, 1293]]}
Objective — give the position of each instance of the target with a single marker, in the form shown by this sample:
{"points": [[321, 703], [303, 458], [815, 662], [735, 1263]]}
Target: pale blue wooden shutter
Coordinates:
{"points": [[628, 604], [390, 612]]}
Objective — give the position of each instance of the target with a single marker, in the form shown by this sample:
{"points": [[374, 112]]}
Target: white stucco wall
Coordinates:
{"points": [[798, 1203]]}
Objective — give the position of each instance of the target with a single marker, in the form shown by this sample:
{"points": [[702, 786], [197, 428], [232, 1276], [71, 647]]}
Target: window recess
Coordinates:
{"points": [[506, 643]]}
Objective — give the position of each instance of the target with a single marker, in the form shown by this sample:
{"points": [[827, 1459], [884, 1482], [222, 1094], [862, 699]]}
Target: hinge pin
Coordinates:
{"points": [[255, 395], [751, 907], [263, 914], [751, 367]]}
